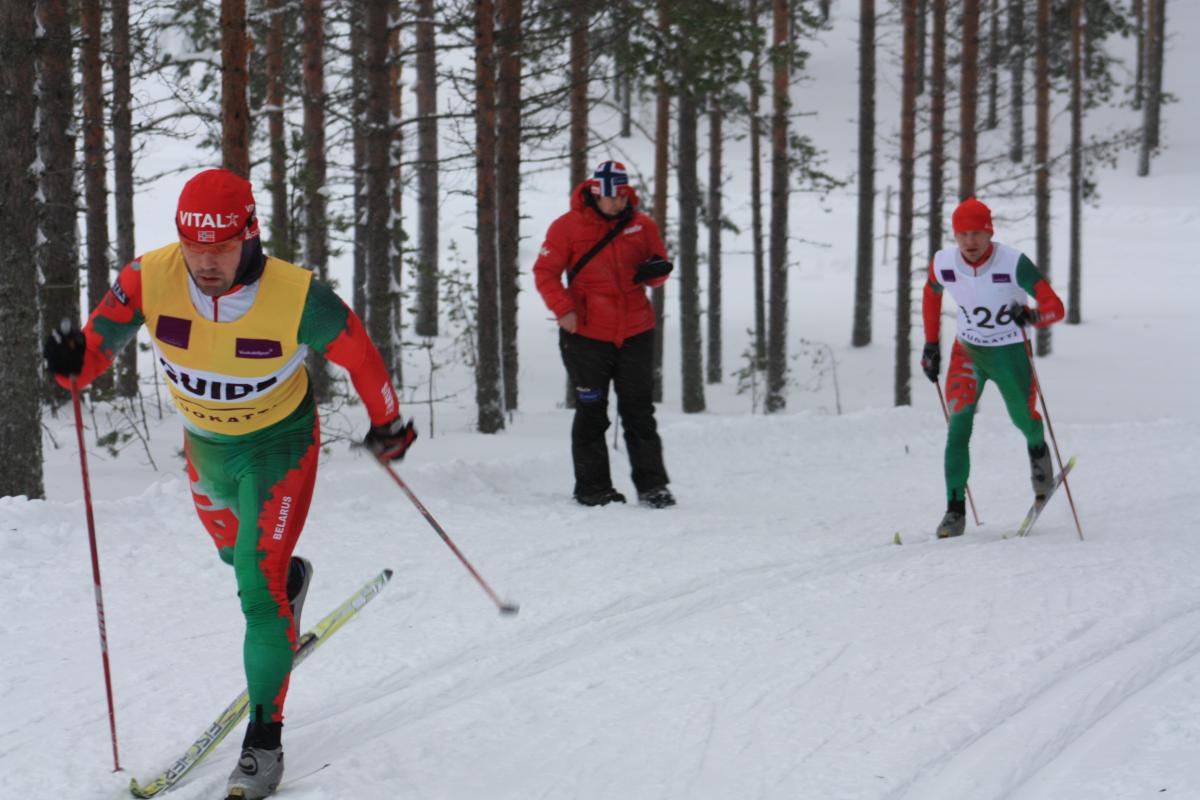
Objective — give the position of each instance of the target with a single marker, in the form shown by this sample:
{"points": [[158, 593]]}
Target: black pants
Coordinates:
{"points": [[592, 365]]}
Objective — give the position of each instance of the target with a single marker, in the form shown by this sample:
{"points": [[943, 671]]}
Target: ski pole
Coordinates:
{"points": [[946, 414], [505, 608], [91, 524], [1037, 383]]}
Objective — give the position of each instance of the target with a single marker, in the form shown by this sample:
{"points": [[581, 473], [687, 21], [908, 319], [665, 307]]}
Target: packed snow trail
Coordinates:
{"points": [[764, 639]]}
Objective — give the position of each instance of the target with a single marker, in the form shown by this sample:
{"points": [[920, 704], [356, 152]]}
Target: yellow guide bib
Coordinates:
{"points": [[228, 377]]}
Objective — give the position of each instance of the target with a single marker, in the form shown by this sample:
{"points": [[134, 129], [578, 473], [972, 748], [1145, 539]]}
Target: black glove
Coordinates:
{"points": [[1023, 315], [390, 441], [65, 348], [931, 361], [655, 267]]}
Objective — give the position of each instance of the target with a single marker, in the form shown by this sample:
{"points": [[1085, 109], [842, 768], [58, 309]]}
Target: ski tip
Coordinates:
{"points": [[897, 539], [387, 573], [510, 609], [137, 790]]}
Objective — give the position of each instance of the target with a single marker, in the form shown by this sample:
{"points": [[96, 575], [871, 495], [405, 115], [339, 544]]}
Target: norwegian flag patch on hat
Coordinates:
{"points": [[215, 206], [610, 179]]}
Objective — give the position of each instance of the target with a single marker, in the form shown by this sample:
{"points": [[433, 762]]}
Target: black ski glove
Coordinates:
{"points": [[652, 268], [390, 441], [1024, 315], [65, 348], [931, 361]]}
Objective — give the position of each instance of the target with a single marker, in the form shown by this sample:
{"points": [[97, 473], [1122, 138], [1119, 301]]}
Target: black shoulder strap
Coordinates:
{"points": [[598, 246]]}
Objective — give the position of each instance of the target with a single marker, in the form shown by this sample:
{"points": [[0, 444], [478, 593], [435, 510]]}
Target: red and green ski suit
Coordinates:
{"points": [[988, 344], [235, 367]]}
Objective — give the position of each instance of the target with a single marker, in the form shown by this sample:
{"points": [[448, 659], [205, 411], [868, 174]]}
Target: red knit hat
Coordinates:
{"points": [[972, 215], [215, 206]]}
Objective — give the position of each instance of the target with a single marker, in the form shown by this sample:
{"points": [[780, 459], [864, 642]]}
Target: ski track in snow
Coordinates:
{"points": [[730, 649]]}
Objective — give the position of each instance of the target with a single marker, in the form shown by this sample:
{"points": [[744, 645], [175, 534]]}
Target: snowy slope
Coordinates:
{"points": [[765, 639]]}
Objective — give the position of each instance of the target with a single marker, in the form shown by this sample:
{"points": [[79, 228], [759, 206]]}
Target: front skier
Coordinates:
{"points": [[231, 328], [991, 284]]}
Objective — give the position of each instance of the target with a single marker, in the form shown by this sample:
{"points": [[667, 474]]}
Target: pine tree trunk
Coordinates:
{"points": [[58, 251], [1074, 313], [715, 184], [359, 135], [1152, 76], [625, 81], [922, 18], [1016, 68], [778, 323], [756, 215], [908, 137], [378, 180], [691, 348], [396, 237], [95, 170], [968, 99], [662, 141], [579, 92], [280, 226], [1139, 32], [1160, 44], [1041, 155], [508, 183], [316, 251], [235, 111], [122, 132], [488, 395], [993, 69], [937, 130], [427, 171], [21, 423], [864, 271], [579, 116]]}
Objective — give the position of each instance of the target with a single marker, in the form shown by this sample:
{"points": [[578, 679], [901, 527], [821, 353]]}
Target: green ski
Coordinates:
{"points": [[236, 711]]}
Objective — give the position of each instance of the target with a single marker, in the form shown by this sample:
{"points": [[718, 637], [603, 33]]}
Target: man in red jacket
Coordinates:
{"points": [[610, 253]]}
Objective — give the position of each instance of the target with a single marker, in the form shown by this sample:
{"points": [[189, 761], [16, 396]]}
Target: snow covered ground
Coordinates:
{"points": [[764, 639]]}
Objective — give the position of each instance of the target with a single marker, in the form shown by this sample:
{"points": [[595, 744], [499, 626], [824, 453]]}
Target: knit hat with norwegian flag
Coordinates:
{"points": [[610, 179], [216, 206]]}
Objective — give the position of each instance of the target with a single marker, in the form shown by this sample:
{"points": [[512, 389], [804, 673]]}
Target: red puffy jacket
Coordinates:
{"points": [[608, 304]]}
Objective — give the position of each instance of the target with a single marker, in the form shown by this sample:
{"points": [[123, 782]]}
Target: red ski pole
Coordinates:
{"points": [[91, 524], [1037, 383], [505, 608], [946, 414]]}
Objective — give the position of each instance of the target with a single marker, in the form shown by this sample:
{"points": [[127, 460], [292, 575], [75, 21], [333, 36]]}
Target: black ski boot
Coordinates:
{"points": [[1041, 471], [657, 498], [600, 498], [955, 521], [300, 572], [260, 767]]}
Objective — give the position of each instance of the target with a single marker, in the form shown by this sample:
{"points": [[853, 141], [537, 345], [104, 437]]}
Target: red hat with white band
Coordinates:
{"points": [[215, 206]]}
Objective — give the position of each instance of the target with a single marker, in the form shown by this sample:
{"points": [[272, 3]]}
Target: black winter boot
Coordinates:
{"points": [[600, 498]]}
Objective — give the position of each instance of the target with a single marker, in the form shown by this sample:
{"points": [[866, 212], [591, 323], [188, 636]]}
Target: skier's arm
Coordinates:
{"points": [[931, 307], [548, 270], [333, 330], [1049, 305], [112, 324]]}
